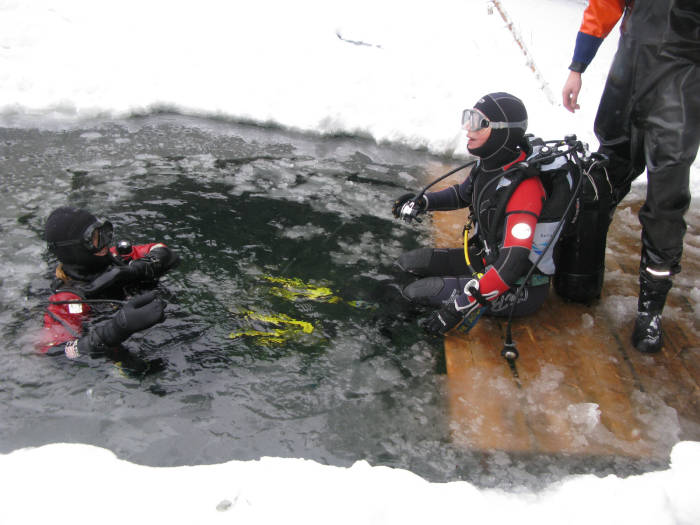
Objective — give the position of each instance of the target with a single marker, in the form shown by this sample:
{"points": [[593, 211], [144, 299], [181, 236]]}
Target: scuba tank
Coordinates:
{"points": [[580, 253]]}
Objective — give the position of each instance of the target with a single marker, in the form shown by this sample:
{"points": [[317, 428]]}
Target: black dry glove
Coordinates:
{"points": [[158, 261], [404, 207], [443, 320], [139, 313], [166, 258]]}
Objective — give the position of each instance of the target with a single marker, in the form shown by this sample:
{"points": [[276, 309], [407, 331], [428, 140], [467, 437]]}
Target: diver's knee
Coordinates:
{"points": [[431, 291], [416, 261]]}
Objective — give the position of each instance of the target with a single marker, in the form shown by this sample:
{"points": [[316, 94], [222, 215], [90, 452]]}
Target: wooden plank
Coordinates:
{"points": [[484, 402], [581, 388]]}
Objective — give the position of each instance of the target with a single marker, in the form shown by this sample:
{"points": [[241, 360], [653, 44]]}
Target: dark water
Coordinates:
{"points": [[247, 208]]}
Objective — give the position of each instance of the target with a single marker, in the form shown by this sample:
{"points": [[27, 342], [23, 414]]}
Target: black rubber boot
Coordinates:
{"points": [[648, 335]]}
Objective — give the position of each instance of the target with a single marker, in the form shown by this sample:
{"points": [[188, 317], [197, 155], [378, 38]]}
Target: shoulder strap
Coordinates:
{"points": [[63, 323], [503, 195]]}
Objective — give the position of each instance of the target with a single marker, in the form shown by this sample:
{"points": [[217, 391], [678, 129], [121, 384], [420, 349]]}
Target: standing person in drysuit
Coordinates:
{"points": [[512, 224], [649, 117], [92, 276]]}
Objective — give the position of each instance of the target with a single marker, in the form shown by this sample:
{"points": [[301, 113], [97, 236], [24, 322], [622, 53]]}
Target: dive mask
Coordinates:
{"points": [[475, 120]]}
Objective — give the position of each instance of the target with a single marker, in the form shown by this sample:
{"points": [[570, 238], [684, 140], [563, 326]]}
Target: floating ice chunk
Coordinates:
{"points": [[307, 231], [627, 217], [695, 296], [91, 135], [587, 321], [620, 308], [585, 415]]}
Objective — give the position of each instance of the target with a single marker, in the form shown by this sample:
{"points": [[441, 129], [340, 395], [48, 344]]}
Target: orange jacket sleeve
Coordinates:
{"points": [[599, 18]]}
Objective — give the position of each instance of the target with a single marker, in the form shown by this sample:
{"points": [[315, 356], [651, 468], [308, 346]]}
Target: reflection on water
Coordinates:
{"points": [[285, 332]]}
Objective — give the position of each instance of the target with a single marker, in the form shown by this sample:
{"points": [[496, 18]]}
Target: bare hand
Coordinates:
{"points": [[572, 88]]}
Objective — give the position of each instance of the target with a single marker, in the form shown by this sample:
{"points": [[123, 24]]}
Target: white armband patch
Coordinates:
{"points": [[75, 308], [521, 231]]}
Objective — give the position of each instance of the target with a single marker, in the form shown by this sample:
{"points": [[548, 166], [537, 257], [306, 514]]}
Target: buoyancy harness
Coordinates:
{"points": [[489, 205], [569, 240]]}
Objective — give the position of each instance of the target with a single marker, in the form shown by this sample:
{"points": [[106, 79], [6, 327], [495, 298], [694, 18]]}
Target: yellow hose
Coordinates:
{"points": [[478, 275]]}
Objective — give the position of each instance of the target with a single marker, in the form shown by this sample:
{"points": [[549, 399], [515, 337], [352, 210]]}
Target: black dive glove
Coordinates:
{"points": [[154, 264], [404, 207], [444, 320], [139, 313]]}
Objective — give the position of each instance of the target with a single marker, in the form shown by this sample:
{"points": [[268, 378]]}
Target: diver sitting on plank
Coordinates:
{"points": [[513, 216]]}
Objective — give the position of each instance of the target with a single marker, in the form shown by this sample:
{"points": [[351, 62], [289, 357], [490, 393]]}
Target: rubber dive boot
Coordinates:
{"points": [[648, 334]]}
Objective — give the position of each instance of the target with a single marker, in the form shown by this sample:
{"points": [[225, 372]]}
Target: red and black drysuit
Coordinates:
{"points": [[515, 219], [80, 301]]}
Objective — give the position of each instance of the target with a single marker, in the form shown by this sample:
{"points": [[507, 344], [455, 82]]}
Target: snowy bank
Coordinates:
{"points": [[83, 484]]}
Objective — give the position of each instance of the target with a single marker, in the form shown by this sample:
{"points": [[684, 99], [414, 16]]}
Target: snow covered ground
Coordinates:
{"points": [[399, 72], [81, 484]]}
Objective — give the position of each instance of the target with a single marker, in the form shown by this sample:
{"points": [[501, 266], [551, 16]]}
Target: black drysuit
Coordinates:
{"points": [[649, 114]]}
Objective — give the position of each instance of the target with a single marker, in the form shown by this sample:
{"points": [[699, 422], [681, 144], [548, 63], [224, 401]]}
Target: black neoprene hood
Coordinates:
{"points": [[502, 144], [69, 224]]}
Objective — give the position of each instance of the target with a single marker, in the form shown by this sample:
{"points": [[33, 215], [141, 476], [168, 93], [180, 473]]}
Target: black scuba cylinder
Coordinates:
{"points": [[580, 253]]}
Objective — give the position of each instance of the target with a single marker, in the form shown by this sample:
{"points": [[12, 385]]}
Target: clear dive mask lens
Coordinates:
{"points": [[98, 236], [475, 120]]}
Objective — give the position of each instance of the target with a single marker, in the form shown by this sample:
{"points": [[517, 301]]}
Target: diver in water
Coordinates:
{"points": [[93, 278], [513, 218]]}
